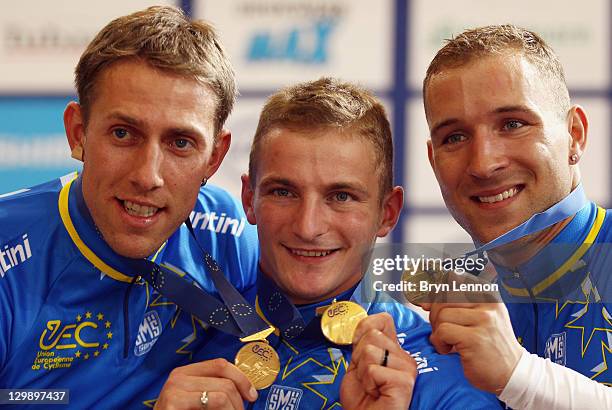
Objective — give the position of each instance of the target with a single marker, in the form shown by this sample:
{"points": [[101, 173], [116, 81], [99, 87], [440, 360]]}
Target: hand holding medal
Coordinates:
{"points": [[381, 374], [210, 384]]}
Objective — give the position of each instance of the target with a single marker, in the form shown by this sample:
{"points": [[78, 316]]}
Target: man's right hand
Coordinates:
{"points": [[482, 335], [225, 385]]}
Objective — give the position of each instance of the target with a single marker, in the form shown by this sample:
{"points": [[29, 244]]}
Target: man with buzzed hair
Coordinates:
{"points": [[154, 92], [320, 190], [505, 147]]}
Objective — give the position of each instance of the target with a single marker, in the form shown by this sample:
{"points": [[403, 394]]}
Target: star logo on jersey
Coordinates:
{"points": [[61, 343], [603, 373], [321, 377], [585, 319]]}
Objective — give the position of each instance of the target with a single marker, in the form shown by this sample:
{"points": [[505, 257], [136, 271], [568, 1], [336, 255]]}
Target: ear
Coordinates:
{"points": [[391, 209], [430, 155], [248, 196], [75, 130], [578, 127], [222, 144]]}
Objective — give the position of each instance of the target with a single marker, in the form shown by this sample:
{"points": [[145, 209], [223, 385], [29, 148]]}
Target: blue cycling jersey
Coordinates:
{"points": [[71, 316], [312, 368], [559, 301]]}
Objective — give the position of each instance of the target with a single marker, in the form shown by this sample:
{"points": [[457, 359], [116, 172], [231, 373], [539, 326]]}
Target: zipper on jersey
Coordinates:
{"points": [[534, 306], [126, 316]]}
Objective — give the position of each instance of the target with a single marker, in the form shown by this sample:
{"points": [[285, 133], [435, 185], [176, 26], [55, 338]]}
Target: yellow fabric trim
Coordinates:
{"points": [[567, 265], [163, 245], [87, 253]]}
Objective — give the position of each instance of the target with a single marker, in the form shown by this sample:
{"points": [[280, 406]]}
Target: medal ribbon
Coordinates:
{"points": [[568, 206], [283, 314], [275, 305], [234, 316]]}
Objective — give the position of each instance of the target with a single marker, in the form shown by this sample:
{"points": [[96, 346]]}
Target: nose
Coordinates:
{"points": [[487, 155], [310, 220], [146, 172]]}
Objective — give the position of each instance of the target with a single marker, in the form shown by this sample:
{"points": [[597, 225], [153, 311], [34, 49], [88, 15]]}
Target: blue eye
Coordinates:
{"points": [[181, 143], [281, 192], [342, 196], [455, 138], [513, 125], [120, 133]]}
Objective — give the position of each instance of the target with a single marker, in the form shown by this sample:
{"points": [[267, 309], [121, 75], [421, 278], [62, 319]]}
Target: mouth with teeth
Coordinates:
{"points": [[138, 210], [502, 196], [315, 253]]}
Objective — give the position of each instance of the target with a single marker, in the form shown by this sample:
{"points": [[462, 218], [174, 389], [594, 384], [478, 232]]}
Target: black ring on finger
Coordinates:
{"points": [[385, 359]]}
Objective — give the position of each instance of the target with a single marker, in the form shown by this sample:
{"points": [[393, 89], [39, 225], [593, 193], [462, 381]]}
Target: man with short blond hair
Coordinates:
{"points": [[505, 146], [154, 92], [314, 191]]}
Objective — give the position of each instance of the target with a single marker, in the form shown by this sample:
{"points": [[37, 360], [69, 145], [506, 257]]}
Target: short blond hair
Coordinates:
{"points": [[328, 103], [166, 39], [494, 40]]}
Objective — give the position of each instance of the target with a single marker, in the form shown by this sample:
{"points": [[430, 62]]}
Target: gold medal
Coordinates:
{"points": [[259, 362], [339, 321], [413, 293], [420, 279]]}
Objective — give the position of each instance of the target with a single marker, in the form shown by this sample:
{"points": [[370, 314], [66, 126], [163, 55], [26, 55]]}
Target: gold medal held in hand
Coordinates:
{"points": [[339, 321], [417, 284], [259, 362]]}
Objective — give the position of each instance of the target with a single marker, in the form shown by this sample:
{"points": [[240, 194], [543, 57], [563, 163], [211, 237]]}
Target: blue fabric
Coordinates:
{"points": [[312, 368], [573, 325], [62, 321]]}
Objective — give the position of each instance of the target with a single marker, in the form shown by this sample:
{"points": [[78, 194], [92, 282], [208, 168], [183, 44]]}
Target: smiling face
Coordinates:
{"points": [[148, 144], [499, 145], [317, 206]]}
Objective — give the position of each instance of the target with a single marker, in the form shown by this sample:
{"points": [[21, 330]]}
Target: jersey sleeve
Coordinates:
{"points": [[221, 227], [537, 383], [6, 321], [31, 257]]}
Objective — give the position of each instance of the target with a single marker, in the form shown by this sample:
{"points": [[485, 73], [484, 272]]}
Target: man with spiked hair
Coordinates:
{"points": [[505, 146]]}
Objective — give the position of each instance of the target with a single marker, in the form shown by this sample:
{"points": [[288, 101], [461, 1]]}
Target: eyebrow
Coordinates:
{"points": [[499, 110], [266, 182], [443, 124], [338, 186], [514, 108], [125, 118]]}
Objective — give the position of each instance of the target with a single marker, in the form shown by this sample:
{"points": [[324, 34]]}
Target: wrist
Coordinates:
{"points": [[518, 355], [511, 363]]}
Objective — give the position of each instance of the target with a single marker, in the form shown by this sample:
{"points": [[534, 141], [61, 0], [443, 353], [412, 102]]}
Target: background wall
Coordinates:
{"points": [[384, 45]]}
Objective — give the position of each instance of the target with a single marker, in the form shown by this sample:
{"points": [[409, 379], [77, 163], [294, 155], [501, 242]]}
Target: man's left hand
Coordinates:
{"points": [[381, 374]]}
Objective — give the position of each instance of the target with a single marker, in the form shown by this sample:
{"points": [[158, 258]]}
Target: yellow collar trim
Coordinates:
{"points": [[568, 264], [84, 249]]}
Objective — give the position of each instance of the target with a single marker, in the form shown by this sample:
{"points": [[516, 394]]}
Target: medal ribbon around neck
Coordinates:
{"points": [[568, 206], [338, 320], [235, 316]]}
